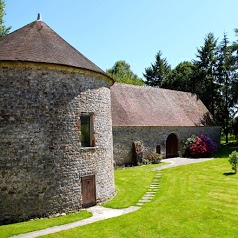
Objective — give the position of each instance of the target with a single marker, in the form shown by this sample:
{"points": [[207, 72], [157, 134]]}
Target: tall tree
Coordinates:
{"points": [[3, 29], [157, 72], [226, 77], [205, 72], [234, 48], [121, 72], [180, 78]]}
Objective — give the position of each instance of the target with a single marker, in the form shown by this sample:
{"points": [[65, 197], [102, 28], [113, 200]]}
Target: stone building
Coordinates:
{"points": [[56, 151], [156, 120]]}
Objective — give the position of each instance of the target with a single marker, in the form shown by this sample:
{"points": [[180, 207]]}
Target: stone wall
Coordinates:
{"points": [[123, 138], [41, 158]]}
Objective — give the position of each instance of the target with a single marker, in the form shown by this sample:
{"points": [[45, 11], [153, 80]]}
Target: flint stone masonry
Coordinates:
{"points": [[151, 136], [41, 158]]}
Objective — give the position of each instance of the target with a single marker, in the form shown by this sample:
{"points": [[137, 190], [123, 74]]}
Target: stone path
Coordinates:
{"points": [[173, 162], [99, 213], [152, 190], [102, 213]]}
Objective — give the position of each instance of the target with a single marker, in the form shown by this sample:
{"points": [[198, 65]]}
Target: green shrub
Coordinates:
{"points": [[233, 159], [152, 158]]}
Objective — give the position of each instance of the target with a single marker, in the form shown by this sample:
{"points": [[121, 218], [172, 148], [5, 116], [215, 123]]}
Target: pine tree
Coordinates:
{"points": [[234, 48], [157, 72], [206, 86], [226, 77]]}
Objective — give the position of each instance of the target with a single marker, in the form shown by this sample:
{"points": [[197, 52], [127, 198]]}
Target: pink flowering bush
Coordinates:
{"points": [[199, 147]]}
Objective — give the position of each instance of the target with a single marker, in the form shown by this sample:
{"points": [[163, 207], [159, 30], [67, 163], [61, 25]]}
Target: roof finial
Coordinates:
{"points": [[39, 17]]}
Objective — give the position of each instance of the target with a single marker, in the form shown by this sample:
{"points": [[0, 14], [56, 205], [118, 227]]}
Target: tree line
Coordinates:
{"points": [[212, 76]]}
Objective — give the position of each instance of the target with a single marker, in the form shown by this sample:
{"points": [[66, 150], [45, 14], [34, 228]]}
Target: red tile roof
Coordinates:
{"points": [[147, 106], [37, 42]]}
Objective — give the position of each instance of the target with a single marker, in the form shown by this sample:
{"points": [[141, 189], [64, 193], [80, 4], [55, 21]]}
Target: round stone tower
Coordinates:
{"points": [[55, 127]]}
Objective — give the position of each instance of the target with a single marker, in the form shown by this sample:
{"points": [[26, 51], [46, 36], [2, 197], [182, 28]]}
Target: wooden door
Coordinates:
{"points": [[88, 191], [172, 146]]}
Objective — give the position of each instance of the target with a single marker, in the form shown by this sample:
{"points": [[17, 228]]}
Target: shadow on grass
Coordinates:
{"points": [[226, 149], [229, 173]]}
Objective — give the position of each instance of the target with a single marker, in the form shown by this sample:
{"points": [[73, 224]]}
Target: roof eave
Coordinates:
{"points": [[65, 67]]}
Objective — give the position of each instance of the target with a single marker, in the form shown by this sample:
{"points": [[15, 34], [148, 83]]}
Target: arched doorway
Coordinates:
{"points": [[172, 146]]}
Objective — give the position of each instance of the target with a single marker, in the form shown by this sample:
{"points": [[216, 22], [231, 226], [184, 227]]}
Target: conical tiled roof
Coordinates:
{"points": [[37, 42]]}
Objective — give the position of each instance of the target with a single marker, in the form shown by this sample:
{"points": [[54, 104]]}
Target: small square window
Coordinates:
{"points": [[86, 131]]}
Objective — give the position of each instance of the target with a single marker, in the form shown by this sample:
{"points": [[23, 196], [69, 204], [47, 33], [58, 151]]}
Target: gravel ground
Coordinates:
{"points": [[173, 162]]}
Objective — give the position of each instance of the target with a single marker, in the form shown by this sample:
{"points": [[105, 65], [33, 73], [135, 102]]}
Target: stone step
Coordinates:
{"points": [[153, 190], [144, 200], [149, 195], [152, 193]]}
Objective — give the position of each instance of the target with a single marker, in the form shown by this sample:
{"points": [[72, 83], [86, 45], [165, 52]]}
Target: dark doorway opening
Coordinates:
{"points": [[172, 146], [158, 149], [88, 191]]}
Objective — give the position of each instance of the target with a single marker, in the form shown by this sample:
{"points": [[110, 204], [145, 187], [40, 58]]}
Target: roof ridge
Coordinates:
{"points": [[152, 87]]}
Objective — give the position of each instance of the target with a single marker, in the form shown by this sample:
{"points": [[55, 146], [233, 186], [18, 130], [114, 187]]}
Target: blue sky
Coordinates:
{"points": [[132, 30]]}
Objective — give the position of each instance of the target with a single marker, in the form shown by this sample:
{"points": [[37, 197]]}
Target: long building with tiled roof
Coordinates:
{"points": [[156, 120], [150, 106]]}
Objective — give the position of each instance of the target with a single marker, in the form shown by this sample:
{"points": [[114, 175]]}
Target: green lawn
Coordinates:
{"points": [[197, 200], [24, 227], [131, 185]]}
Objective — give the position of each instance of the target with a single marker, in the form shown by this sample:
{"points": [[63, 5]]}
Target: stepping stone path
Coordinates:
{"points": [[152, 190]]}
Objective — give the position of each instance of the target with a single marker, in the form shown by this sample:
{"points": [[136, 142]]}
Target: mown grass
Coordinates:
{"points": [[28, 226], [197, 200], [131, 185]]}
